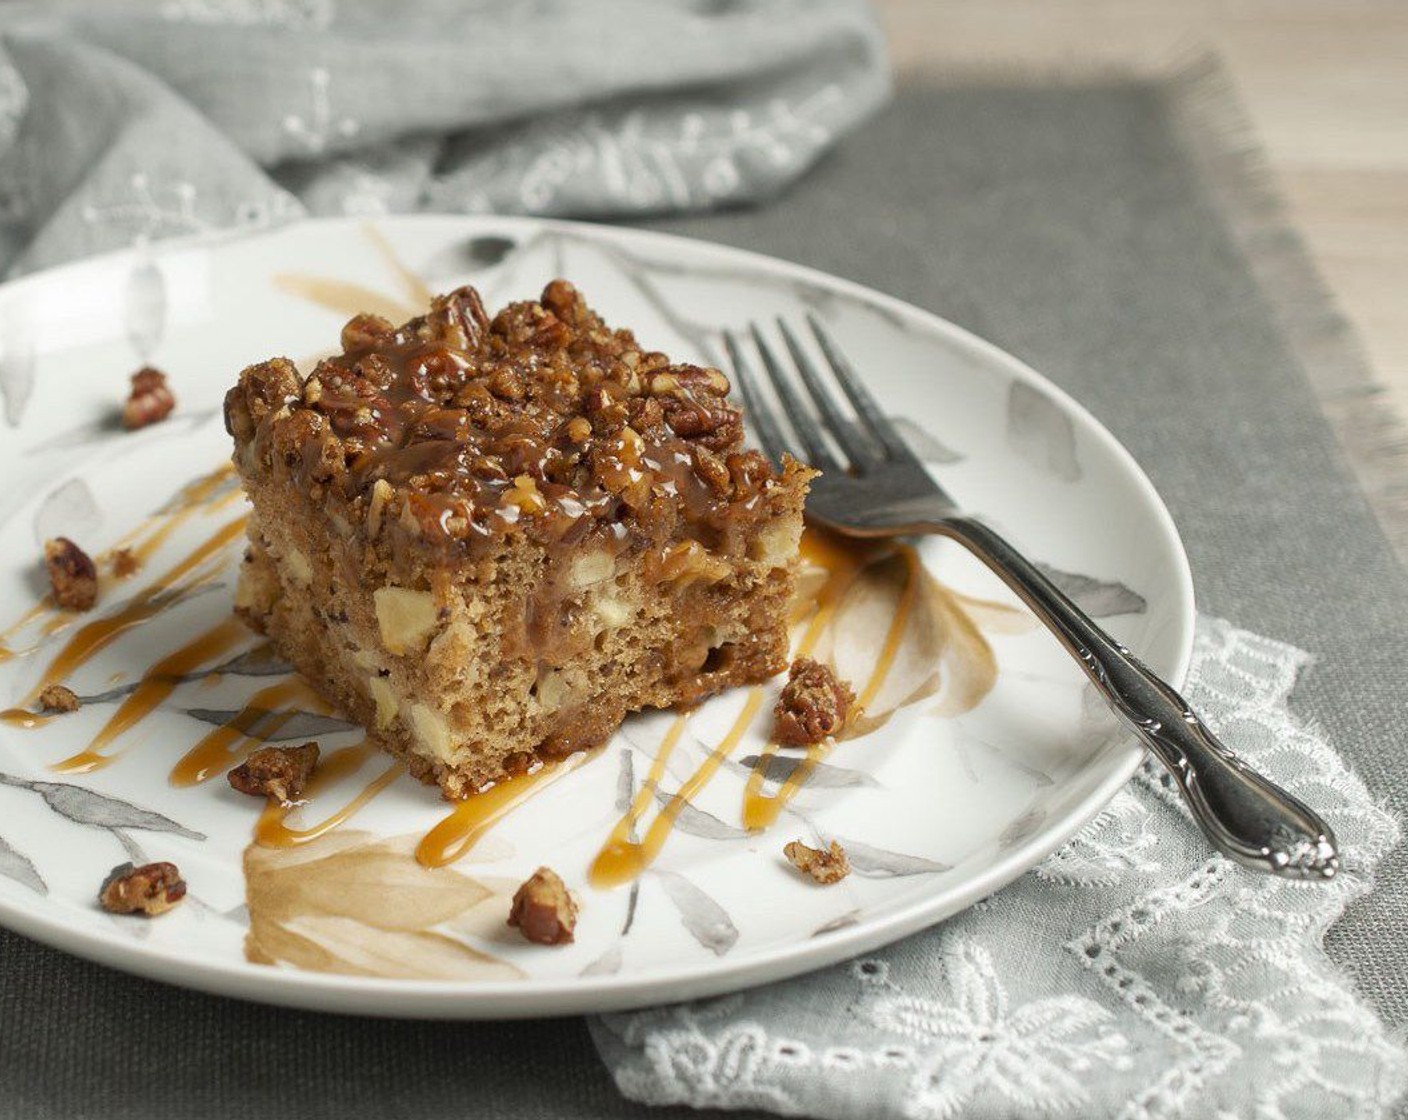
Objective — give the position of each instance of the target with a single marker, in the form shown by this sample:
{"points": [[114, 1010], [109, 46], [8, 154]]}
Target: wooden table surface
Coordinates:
{"points": [[1324, 82]]}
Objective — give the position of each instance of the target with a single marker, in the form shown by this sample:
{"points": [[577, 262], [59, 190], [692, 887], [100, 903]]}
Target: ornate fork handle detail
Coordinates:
{"points": [[1252, 820]]}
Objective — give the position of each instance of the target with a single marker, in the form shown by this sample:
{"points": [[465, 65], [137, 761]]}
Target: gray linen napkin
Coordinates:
{"points": [[122, 120]]}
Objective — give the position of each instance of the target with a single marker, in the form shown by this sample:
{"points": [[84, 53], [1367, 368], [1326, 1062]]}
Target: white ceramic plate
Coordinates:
{"points": [[965, 787]]}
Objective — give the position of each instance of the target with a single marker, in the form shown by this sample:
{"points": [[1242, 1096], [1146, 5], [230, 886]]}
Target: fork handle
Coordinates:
{"points": [[1249, 818]]}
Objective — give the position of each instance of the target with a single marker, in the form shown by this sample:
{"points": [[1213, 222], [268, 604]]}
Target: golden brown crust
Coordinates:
{"points": [[543, 909], [824, 866], [72, 575], [149, 890], [812, 706], [277, 772]]}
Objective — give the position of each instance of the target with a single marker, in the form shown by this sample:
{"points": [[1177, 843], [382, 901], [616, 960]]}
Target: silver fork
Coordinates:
{"points": [[876, 487]]}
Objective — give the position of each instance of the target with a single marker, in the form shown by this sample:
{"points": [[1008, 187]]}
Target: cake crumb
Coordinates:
{"points": [[151, 889], [124, 563], [277, 772], [72, 575], [149, 401], [543, 910], [813, 705], [58, 698], [825, 867]]}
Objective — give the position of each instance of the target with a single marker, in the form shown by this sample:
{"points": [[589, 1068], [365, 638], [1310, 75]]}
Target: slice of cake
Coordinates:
{"points": [[490, 540]]}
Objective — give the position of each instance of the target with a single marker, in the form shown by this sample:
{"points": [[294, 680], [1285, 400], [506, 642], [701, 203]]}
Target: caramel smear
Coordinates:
{"points": [[343, 298], [415, 289], [351, 903], [262, 715], [462, 829], [157, 683], [355, 299], [272, 829]]}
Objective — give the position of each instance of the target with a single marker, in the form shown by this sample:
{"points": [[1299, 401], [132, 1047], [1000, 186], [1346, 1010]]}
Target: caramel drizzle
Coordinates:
{"points": [[256, 722], [458, 832], [622, 859], [174, 585], [44, 606], [195, 497], [761, 810], [156, 685], [142, 541], [272, 829], [24, 718]]}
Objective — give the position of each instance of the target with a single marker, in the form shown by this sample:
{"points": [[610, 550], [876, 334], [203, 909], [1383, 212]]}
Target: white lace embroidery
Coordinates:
{"points": [[1132, 976], [972, 1042]]}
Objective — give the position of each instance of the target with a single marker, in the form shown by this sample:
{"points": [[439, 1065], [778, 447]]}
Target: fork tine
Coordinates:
{"points": [[759, 415], [860, 452], [875, 421], [802, 421]]}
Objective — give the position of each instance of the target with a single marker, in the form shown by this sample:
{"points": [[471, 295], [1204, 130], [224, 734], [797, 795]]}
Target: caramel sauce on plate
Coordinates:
{"points": [[156, 685], [454, 836], [272, 829], [255, 722], [183, 578]]}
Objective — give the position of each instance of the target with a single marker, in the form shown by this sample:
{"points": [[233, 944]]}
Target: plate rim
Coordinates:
{"points": [[522, 999]]}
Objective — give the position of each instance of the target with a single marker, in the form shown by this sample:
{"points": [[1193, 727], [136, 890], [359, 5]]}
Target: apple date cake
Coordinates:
{"points": [[489, 540]]}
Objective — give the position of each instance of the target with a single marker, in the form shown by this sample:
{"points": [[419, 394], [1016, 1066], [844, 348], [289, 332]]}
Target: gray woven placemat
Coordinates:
{"points": [[1074, 226]]}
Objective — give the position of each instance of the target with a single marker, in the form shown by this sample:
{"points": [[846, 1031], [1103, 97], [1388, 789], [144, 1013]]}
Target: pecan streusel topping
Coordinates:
{"points": [[456, 428]]}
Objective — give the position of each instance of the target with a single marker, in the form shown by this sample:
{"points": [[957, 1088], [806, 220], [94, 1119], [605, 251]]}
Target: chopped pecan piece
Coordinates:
{"points": [[543, 909], [124, 563], [278, 772], [71, 574], [58, 698], [826, 867], [149, 400], [814, 704], [151, 889]]}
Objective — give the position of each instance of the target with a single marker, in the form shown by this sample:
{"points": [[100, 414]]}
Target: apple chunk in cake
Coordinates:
{"points": [[489, 540]]}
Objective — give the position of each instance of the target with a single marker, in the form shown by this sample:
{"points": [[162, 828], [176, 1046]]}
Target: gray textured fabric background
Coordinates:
{"points": [[1065, 225]]}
